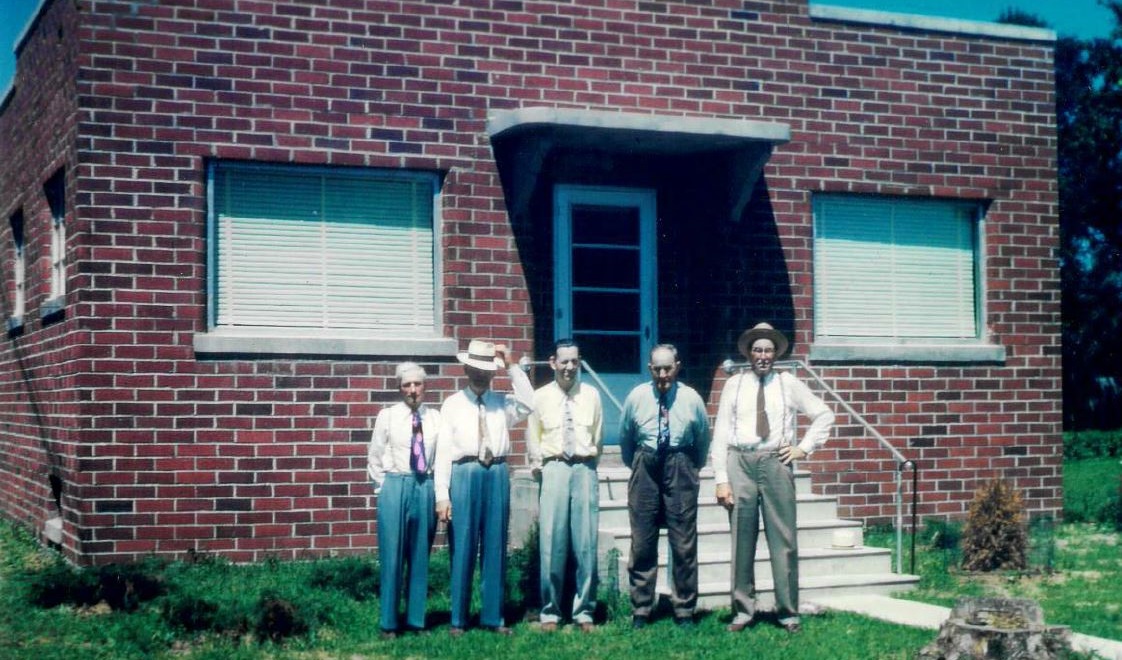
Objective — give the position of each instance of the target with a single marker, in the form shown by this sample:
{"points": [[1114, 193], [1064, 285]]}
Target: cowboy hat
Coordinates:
{"points": [[481, 355], [762, 331]]}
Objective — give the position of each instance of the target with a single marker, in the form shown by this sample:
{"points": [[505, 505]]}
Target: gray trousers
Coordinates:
{"points": [[663, 489], [762, 485], [569, 521]]}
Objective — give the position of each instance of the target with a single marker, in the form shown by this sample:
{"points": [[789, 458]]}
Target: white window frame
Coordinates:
{"points": [[19, 271], [894, 345], [55, 192], [251, 340]]}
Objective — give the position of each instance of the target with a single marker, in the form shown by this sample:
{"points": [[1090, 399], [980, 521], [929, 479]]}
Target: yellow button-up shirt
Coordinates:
{"points": [[545, 436]]}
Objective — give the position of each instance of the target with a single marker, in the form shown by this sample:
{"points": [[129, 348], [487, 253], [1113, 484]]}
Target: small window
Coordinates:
{"points": [[19, 271], [347, 250], [896, 271], [55, 191]]}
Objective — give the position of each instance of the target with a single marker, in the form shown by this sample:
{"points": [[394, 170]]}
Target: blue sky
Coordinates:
{"points": [[1081, 18]]}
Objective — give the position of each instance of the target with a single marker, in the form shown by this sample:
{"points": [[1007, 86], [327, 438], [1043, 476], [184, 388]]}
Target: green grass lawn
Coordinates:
{"points": [[213, 609]]}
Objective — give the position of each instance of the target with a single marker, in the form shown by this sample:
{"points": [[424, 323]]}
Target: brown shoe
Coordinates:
{"points": [[389, 634], [455, 632], [501, 630], [588, 627], [549, 626], [736, 627]]}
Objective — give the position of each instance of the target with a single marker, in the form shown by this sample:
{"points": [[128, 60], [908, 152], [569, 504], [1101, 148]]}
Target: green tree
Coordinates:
{"points": [[1089, 124]]}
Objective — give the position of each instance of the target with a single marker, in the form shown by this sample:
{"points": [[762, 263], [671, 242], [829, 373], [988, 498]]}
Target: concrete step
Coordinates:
{"points": [[614, 513], [716, 566], [715, 595], [613, 482], [716, 537]]}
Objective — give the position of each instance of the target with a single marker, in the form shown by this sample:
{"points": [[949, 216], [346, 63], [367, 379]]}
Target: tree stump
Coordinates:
{"points": [[997, 628]]}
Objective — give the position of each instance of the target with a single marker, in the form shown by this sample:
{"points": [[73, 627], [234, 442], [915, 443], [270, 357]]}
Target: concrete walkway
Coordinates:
{"points": [[922, 615]]}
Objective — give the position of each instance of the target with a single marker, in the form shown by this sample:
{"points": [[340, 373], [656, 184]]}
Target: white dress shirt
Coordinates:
{"points": [[545, 435], [459, 425], [391, 443], [784, 397]]}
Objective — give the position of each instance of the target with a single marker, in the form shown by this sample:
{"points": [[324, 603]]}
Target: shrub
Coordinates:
{"points": [[58, 583], [994, 536], [278, 618], [190, 613], [1092, 444], [358, 577], [941, 534], [122, 586], [523, 576]]}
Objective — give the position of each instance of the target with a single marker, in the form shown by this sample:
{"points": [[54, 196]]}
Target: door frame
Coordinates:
{"points": [[565, 197]]}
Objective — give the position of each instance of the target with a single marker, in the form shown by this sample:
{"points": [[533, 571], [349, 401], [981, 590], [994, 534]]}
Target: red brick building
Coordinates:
{"points": [[226, 221]]}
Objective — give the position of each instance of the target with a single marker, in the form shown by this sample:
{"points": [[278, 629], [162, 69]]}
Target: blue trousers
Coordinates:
{"points": [[570, 517], [406, 525], [480, 499]]}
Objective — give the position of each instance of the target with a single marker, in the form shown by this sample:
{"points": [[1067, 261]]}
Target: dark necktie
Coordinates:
{"points": [[486, 456], [663, 425], [417, 460], [763, 429]]}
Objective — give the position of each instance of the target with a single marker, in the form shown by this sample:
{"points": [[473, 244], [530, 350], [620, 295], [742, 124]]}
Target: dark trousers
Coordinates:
{"points": [[663, 489]]}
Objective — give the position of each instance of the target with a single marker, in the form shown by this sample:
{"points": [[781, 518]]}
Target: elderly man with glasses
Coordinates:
{"points": [[754, 444]]}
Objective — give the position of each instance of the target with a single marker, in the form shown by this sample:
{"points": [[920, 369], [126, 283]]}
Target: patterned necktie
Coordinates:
{"points": [[663, 425], [568, 430], [417, 460], [763, 429], [485, 453]]}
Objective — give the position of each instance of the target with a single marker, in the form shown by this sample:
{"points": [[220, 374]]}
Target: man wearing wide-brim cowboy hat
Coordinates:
{"points": [[473, 480], [754, 442]]}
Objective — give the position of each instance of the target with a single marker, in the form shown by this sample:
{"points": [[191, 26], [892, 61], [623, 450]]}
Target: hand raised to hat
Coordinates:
{"points": [[500, 355]]}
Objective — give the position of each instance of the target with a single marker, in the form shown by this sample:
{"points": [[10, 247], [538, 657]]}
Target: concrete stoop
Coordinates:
{"points": [[825, 570]]}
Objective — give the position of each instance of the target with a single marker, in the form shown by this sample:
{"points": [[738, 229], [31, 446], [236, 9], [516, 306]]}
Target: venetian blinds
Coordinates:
{"points": [[894, 268], [317, 248]]}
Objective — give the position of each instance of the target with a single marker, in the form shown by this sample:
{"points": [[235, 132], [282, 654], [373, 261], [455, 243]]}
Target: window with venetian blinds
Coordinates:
{"points": [[895, 269], [306, 247]]}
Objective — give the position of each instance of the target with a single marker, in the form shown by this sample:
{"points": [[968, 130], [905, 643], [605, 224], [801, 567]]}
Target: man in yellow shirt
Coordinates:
{"points": [[565, 436]]}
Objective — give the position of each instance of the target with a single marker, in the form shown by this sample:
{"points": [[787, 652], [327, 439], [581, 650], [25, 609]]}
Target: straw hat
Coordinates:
{"points": [[481, 355], [762, 331]]}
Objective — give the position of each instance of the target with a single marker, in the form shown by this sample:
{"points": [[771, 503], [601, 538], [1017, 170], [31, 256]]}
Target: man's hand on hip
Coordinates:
{"points": [[790, 453]]}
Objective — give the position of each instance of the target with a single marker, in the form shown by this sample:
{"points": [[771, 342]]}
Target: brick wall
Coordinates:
{"points": [[40, 424], [166, 452]]}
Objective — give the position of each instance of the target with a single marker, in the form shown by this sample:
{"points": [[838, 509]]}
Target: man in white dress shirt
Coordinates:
{"points": [[400, 464], [754, 443], [564, 437], [473, 480]]}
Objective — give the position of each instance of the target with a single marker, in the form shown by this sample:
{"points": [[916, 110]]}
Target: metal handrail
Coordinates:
{"points": [[902, 463]]}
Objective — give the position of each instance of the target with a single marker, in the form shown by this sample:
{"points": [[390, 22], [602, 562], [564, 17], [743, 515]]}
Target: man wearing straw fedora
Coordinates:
{"points": [[473, 482], [754, 444]]}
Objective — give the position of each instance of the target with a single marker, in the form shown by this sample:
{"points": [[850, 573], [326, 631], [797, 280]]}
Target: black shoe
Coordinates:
{"points": [[684, 622], [638, 622]]}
